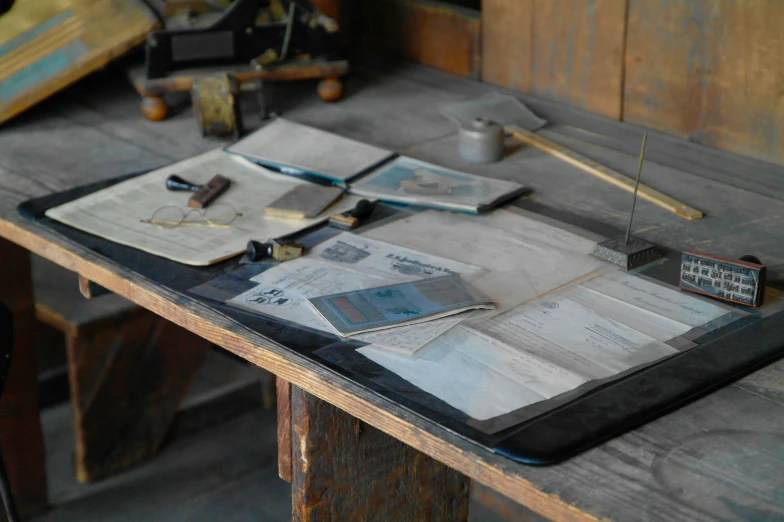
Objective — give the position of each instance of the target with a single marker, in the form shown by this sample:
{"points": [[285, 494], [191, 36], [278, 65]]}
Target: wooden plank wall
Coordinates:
{"points": [[706, 70], [709, 70], [571, 51], [439, 34]]}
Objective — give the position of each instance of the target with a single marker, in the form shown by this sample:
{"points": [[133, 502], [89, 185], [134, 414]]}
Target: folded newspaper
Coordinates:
{"points": [[358, 311]]}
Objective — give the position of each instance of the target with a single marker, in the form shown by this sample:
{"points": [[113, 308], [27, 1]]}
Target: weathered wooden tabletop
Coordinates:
{"points": [[718, 458]]}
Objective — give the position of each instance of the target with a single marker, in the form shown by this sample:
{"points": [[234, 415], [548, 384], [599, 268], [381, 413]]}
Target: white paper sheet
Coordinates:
{"points": [[553, 344], [457, 379], [666, 302], [116, 213], [524, 258], [307, 149]]}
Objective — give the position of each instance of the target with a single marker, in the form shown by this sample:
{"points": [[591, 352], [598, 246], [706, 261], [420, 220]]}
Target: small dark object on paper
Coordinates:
{"points": [[278, 249], [351, 219]]}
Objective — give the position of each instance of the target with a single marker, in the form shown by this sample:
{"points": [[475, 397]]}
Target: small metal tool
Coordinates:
{"points": [[204, 194], [278, 249], [482, 141], [629, 252], [351, 219]]}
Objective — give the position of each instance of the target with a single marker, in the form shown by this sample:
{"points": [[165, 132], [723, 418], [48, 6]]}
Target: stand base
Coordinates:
{"points": [[629, 256]]}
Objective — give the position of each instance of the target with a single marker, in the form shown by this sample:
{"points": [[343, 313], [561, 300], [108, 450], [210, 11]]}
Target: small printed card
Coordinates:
{"points": [[354, 312]]}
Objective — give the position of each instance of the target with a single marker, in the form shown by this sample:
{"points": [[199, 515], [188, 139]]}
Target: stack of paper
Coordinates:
{"points": [[414, 182], [550, 346], [358, 311], [348, 262], [298, 149]]}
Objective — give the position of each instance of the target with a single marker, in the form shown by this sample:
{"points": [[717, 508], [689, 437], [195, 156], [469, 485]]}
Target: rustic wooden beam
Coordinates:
{"points": [[344, 469], [21, 440], [435, 33], [284, 428], [126, 385]]}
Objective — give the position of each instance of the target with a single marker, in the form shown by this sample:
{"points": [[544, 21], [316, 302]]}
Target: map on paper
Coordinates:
{"points": [[116, 213]]}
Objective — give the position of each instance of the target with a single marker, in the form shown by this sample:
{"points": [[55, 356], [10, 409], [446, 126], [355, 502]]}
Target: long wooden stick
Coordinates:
{"points": [[604, 173]]}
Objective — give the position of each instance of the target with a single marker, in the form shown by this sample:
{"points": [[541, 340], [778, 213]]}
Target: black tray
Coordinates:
{"points": [[721, 357]]}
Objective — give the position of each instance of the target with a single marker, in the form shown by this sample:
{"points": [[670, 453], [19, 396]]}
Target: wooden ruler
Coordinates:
{"points": [[604, 173]]}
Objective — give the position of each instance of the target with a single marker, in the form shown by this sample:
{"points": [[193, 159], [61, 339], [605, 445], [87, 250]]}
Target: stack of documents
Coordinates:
{"points": [[414, 182], [366, 310]]}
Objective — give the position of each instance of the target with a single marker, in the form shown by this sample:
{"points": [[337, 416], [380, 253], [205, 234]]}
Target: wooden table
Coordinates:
{"points": [[718, 458]]}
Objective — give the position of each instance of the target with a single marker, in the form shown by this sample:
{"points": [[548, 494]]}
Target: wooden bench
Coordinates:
{"points": [[130, 371]]}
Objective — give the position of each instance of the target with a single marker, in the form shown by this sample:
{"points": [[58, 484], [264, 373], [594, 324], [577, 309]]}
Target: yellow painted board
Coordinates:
{"points": [[46, 45]]}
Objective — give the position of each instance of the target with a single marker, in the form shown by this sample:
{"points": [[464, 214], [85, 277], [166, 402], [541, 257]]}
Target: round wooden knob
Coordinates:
{"points": [[154, 108], [330, 89]]}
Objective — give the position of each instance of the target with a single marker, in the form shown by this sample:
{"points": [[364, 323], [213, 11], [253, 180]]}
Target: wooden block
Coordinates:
{"points": [[209, 192], [571, 51], [126, 385], [434, 33], [727, 279], [284, 429], [344, 469], [709, 72], [21, 440], [303, 201], [46, 45]]}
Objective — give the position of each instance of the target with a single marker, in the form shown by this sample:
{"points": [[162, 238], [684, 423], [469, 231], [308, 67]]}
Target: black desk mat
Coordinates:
{"points": [[721, 356]]}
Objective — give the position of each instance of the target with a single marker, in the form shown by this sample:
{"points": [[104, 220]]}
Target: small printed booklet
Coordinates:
{"points": [[354, 312], [414, 182], [293, 148]]}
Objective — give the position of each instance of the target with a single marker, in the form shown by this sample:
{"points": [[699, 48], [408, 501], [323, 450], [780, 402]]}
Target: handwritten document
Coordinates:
{"points": [[116, 213], [552, 345]]}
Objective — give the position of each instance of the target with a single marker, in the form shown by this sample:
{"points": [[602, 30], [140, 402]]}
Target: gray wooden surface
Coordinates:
{"points": [[719, 458]]}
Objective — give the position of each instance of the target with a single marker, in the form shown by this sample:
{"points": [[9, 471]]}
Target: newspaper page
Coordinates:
{"points": [[118, 212]]}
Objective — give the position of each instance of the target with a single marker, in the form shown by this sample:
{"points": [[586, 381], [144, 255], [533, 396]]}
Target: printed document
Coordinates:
{"points": [[522, 258], [349, 262], [594, 330], [117, 213], [381, 307]]}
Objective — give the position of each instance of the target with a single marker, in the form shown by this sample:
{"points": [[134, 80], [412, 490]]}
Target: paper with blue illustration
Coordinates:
{"points": [[350, 262], [414, 182], [382, 307]]}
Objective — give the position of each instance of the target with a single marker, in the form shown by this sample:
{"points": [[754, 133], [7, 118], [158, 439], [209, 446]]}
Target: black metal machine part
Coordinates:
{"points": [[235, 38]]}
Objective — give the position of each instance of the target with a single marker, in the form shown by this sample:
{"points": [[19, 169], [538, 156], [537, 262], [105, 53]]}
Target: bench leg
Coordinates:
{"points": [[126, 384], [343, 469], [21, 439]]}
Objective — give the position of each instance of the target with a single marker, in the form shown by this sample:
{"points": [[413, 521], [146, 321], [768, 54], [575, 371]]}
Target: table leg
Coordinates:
{"points": [[126, 384], [344, 469], [21, 439], [283, 389]]}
